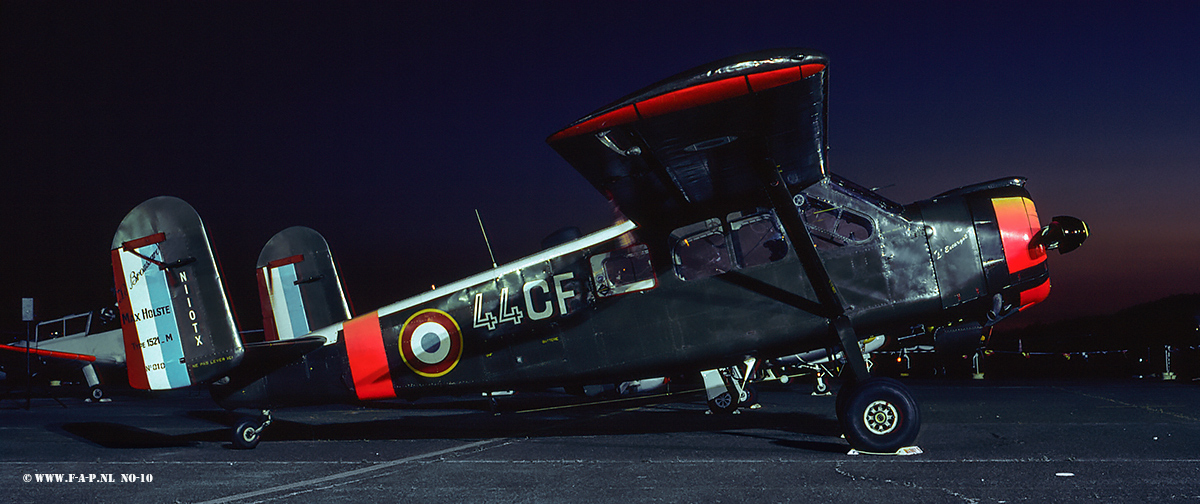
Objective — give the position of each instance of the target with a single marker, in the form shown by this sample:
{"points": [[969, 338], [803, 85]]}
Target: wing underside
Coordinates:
{"points": [[697, 144]]}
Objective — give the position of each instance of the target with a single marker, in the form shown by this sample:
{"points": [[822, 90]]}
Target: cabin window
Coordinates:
{"points": [[66, 326], [833, 227], [757, 239], [701, 250], [623, 271]]}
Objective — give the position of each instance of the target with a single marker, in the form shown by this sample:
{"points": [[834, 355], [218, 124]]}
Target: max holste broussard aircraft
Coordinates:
{"points": [[739, 246]]}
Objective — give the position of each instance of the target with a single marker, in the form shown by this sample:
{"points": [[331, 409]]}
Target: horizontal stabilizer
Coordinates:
{"points": [[261, 358], [175, 317]]}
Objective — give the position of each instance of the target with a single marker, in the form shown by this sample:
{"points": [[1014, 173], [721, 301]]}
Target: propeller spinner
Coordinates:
{"points": [[1064, 233]]}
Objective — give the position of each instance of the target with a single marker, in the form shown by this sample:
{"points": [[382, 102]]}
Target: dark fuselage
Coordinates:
{"points": [[706, 295]]}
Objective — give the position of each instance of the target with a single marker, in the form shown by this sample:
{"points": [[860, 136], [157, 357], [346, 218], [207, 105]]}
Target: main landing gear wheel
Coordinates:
{"points": [[723, 404], [878, 415], [96, 393]]}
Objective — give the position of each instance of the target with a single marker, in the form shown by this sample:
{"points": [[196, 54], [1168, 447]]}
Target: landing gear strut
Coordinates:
{"points": [[876, 414], [729, 388], [248, 431]]}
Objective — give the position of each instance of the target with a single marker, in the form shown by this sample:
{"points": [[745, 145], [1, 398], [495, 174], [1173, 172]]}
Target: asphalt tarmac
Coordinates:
{"points": [[982, 441]]}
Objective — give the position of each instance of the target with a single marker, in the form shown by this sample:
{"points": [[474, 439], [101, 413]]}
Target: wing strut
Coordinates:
{"points": [[830, 305]]}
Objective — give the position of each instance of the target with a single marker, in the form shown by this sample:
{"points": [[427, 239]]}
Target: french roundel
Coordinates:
{"points": [[431, 343]]}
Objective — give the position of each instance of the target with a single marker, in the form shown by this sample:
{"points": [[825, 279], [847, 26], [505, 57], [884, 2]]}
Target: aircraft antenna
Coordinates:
{"points": [[485, 238]]}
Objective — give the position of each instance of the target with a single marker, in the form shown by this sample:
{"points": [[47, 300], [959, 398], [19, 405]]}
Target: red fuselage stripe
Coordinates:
{"points": [[368, 360]]}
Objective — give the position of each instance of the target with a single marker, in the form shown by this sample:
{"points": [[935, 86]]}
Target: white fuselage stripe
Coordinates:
{"points": [[559, 250], [606, 234]]}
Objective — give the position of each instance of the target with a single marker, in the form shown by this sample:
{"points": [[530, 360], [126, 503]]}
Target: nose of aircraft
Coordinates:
{"points": [[1064, 233]]}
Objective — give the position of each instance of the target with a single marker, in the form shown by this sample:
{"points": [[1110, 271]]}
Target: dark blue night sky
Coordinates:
{"points": [[385, 125]]}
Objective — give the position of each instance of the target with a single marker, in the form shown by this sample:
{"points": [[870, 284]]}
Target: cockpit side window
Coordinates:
{"points": [[757, 239], [711, 247], [622, 271], [701, 250], [833, 226]]}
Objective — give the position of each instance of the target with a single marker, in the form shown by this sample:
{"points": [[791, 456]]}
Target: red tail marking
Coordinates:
{"points": [[270, 332], [134, 363], [132, 245], [286, 261]]}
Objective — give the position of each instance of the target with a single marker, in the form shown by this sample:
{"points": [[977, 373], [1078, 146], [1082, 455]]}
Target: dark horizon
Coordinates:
{"points": [[384, 126]]}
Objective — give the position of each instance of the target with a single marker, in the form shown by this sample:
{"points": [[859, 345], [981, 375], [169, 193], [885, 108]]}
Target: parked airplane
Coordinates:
{"points": [[740, 247], [70, 347]]}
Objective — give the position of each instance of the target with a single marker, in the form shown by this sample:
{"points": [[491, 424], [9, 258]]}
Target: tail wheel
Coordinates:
{"points": [[723, 404], [750, 397], [246, 434], [878, 416], [820, 387], [96, 393]]}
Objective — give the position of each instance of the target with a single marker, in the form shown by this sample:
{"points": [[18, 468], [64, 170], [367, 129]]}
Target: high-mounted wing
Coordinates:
{"points": [[695, 145]]}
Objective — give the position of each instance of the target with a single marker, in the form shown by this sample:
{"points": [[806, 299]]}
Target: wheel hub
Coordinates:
{"points": [[724, 400], [881, 417]]}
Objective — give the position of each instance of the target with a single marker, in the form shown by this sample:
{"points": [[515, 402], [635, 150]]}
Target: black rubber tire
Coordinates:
{"points": [[96, 393], [751, 397], [879, 416], [246, 434], [723, 404]]}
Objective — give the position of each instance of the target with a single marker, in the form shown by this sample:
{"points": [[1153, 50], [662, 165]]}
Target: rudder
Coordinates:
{"points": [[298, 285], [175, 317]]}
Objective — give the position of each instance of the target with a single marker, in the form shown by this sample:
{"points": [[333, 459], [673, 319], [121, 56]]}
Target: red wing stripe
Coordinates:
{"points": [[368, 360], [768, 80], [623, 115], [51, 353], [693, 96], [132, 245], [811, 69]]}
